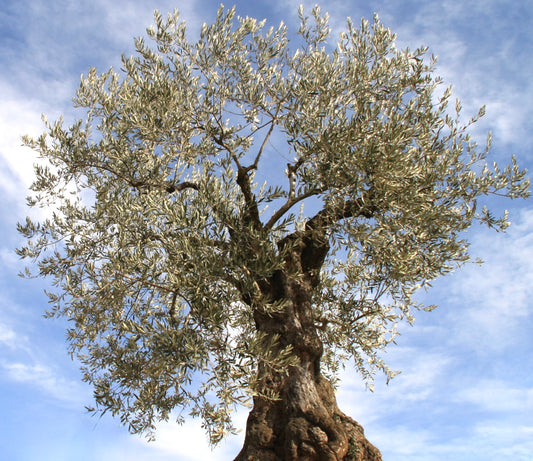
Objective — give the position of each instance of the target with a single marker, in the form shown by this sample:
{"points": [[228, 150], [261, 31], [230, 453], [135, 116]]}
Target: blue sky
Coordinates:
{"points": [[466, 388]]}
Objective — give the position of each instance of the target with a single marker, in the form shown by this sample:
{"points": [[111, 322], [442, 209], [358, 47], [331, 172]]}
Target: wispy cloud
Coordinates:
{"points": [[496, 297], [22, 363], [41, 71], [483, 71], [17, 117], [26, 357], [480, 68], [175, 441], [421, 378], [505, 441], [47, 381], [8, 336], [498, 396]]}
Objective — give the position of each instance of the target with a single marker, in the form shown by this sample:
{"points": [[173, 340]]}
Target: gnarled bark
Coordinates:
{"points": [[305, 423]]}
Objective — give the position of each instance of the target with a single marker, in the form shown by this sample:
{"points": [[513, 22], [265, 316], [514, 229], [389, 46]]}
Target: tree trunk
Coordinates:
{"points": [[305, 423]]}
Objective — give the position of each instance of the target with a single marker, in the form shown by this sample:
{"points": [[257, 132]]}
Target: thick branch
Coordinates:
{"points": [[252, 211], [312, 243], [170, 187], [167, 186], [348, 209]]}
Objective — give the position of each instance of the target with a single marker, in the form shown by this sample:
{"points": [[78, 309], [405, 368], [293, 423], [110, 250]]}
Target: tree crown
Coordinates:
{"points": [[164, 225]]}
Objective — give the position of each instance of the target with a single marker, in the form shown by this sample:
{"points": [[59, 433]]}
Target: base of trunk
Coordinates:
{"points": [[304, 425]]}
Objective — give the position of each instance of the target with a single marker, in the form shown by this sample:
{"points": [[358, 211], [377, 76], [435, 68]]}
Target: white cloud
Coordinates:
{"points": [[421, 378], [459, 34], [10, 338], [491, 441], [42, 77], [430, 427], [126, 20], [8, 258], [25, 356], [17, 117], [406, 443], [484, 316], [498, 396], [48, 381]]}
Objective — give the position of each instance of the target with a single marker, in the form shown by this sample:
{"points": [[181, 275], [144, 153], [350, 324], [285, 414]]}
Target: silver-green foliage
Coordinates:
{"points": [[154, 238]]}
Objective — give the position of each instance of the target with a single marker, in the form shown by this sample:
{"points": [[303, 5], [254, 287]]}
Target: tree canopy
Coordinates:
{"points": [[198, 169]]}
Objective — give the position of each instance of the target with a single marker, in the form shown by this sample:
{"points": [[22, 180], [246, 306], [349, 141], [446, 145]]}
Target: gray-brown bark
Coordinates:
{"points": [[305, 423]]}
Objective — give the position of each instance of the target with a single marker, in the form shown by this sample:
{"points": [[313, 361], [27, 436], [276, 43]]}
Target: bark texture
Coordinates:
{"points": [[305, 423]]}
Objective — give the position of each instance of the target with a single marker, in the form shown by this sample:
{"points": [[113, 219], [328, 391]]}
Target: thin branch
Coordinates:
{"points": [[243, 181], [166, 186], [144, 282], [262, 148], [291, 174], [172, 310], [289, 204]]}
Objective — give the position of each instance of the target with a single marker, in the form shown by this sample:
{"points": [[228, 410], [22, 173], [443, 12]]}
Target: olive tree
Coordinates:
{"points": [[235, 217]]}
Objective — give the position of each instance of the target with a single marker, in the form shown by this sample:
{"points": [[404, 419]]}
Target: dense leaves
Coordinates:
{"points": [[157, 237]]}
